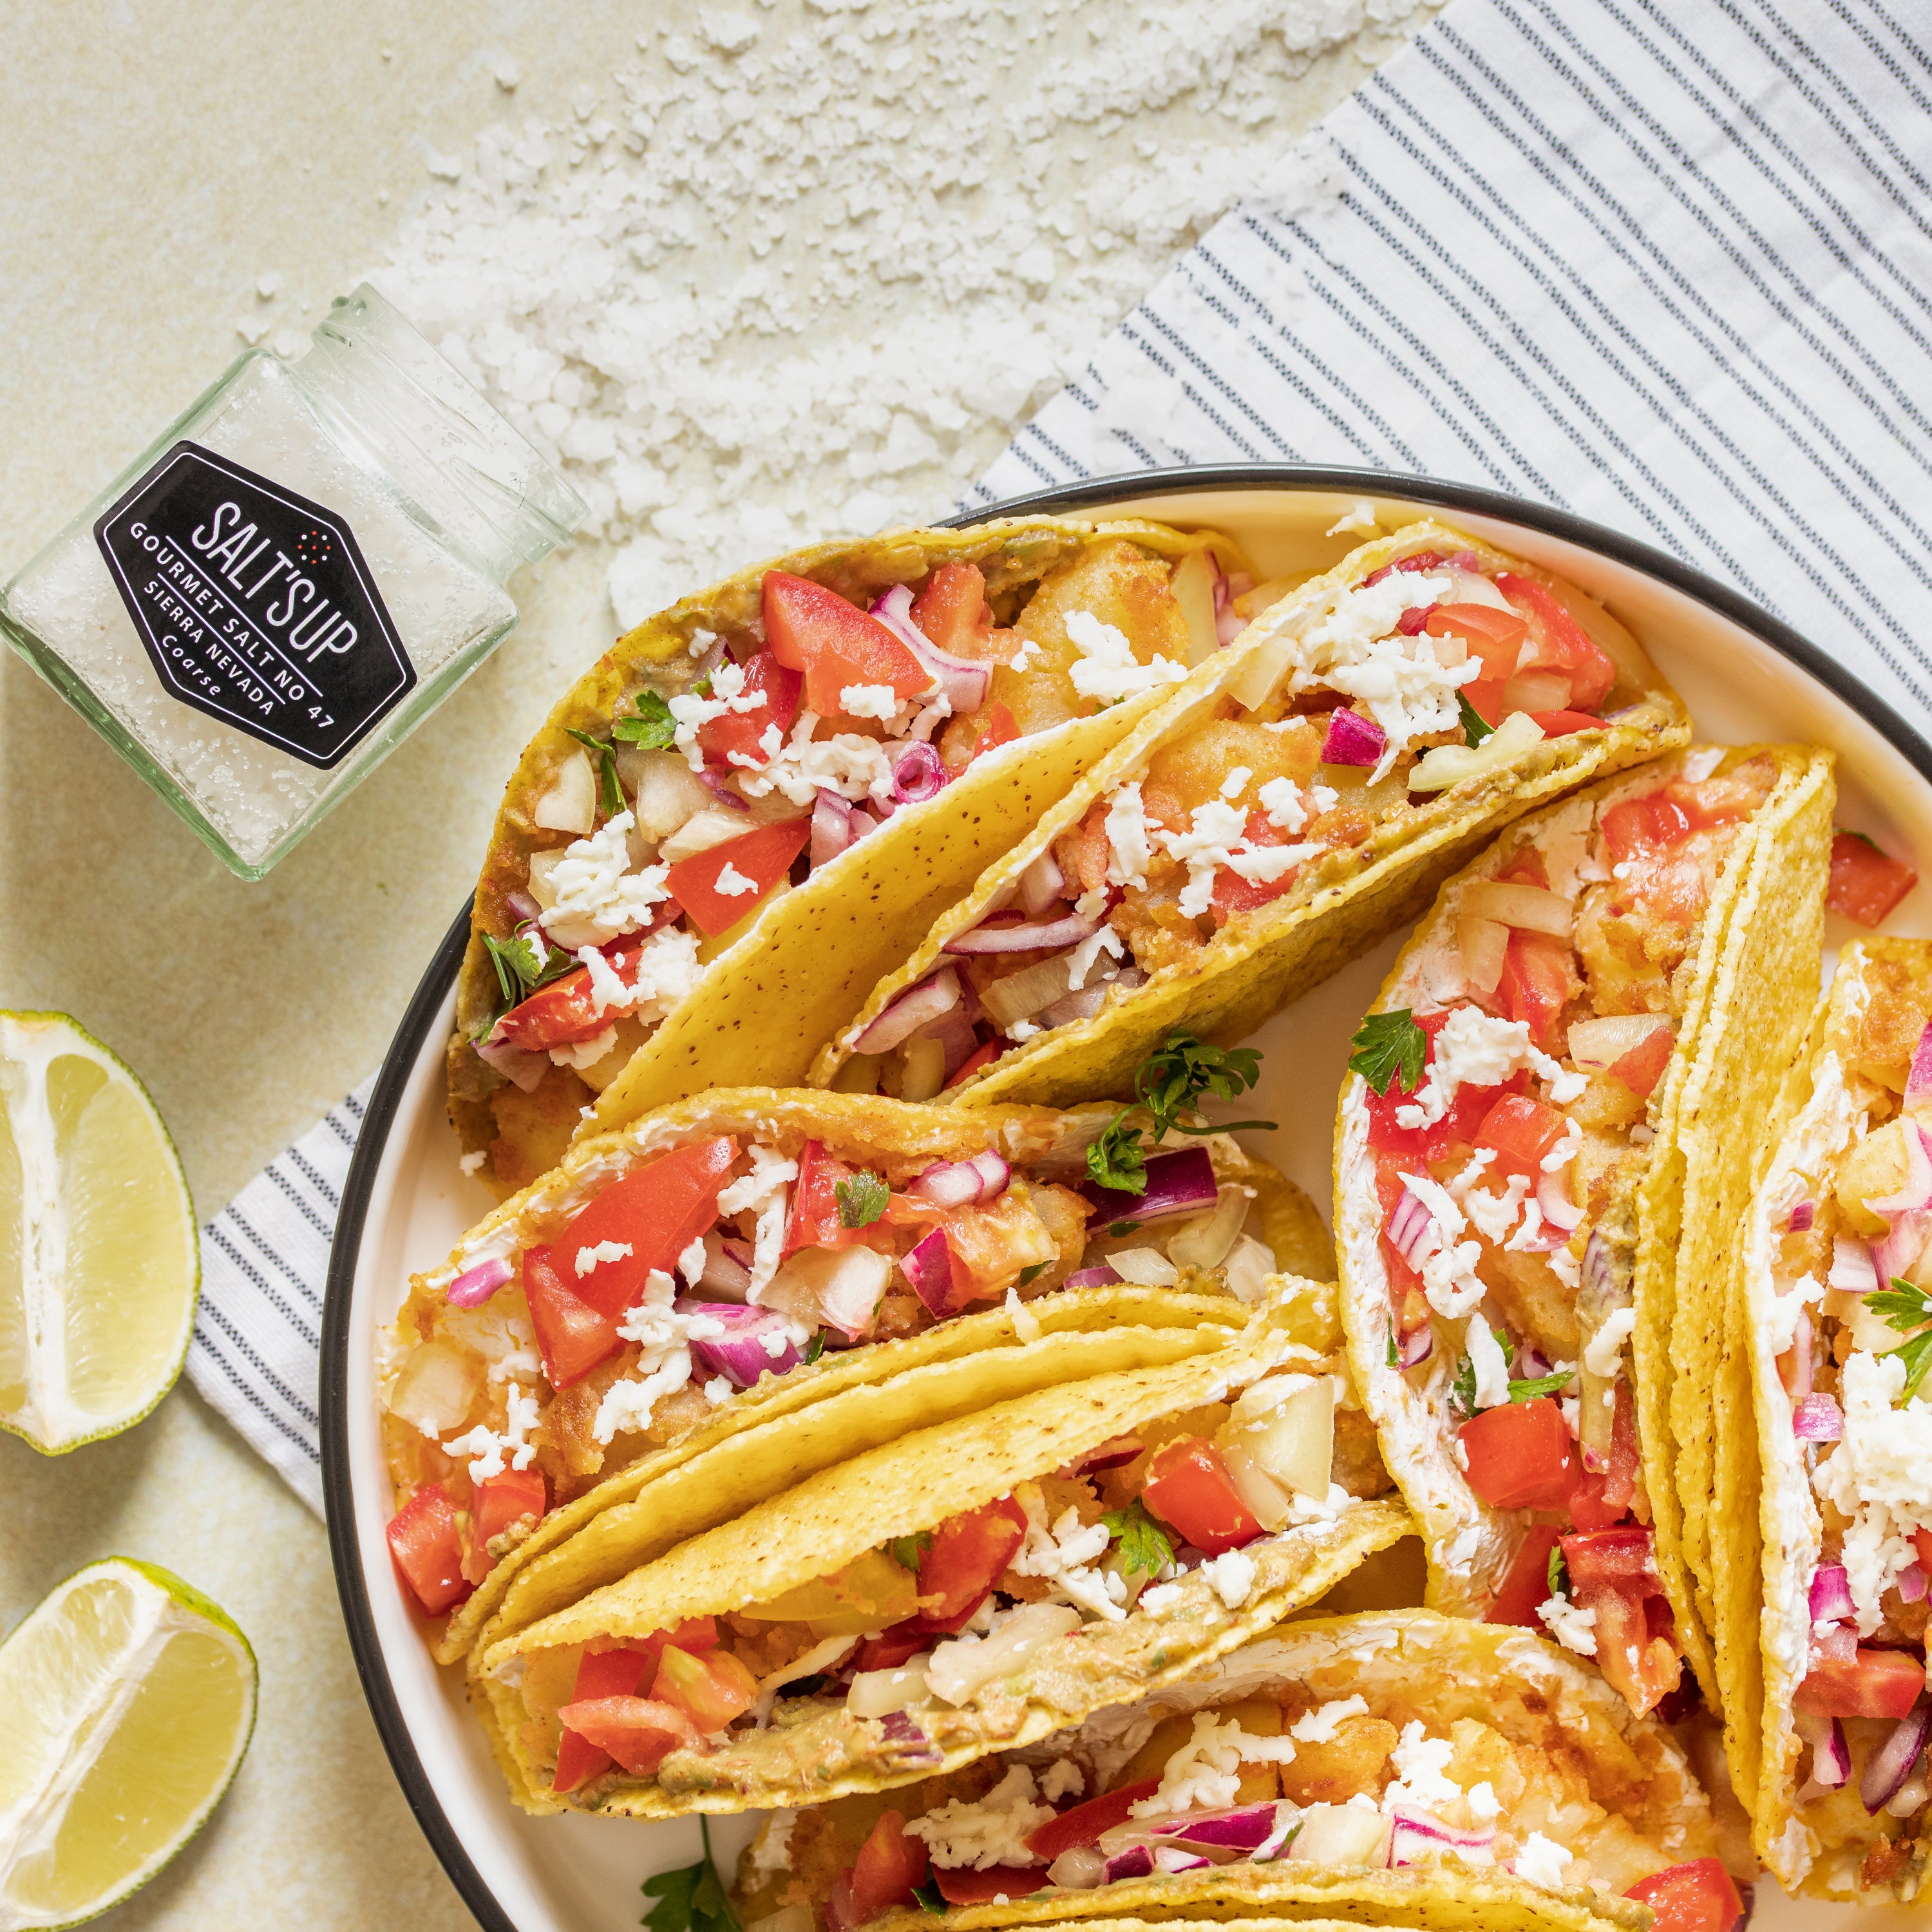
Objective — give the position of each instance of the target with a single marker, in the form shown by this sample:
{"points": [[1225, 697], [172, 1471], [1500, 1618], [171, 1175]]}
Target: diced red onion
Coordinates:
{"points": [[717, 783], [928, 1267], [1892, 1764], [1918, 1082], [1136, 1862], [1112, 1455], [1172, 1858], [740, 1252], [1242, 1829], [1413, 621], [1416, 1834], [1410, 1229], [1029, 936], [1182, 1182], [917, 774], [1559, 1211], [521, 1067], [474, 1286], [1102, 1277], [1912, 1584], [1417, 1346], [1042, 884], [960, 1184], [1830, 1595], [1819, 1421], [962, 682], [1353, 739], [917, 1006], [862, 822], [1531, 1364], [1831, 1756], [1798, 1388], [831, 826], [739, 1355], [1834, 1643], [726, 1271], [1853, 1270], [1900, 1248], [1802, 1216], [954, 1032], [527, 909]]}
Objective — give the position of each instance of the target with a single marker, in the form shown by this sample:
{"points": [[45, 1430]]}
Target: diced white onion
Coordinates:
{"points": [[1020, 995], [436, 1386], [960, 1668], [1529, 908], [571, 803], [1203, 1242], [1249, 1265], [1597, 1044], [700, 833], [878, 1694], [1483, 943], [1446, 765], [1147, 1267]]}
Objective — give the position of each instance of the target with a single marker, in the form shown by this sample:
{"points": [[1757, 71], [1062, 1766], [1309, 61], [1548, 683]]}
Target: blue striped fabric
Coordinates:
{"points": [[1665, 266]]}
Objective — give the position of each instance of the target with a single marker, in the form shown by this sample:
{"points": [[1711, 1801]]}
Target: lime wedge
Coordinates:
{"points": [[127, 1700], [99, 1263]]}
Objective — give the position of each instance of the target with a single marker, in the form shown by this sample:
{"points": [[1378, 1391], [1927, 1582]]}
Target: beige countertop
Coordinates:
{"points": [[158, 162]]}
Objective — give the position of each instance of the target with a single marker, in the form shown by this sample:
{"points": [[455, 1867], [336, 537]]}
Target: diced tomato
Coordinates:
{"points": [[835, 643], [1485, 697], [1521, 1130], [1419, 560], [1642, 1067], [763, 856], [564, 1012], [1520, 1455], [813, 1221], [1865, 884], [1727, 798], [890, 1863], [961, 1885], [1083, 1824], [1874, 1684], [1921, 1541], [574, 1337], [1624, 1556], [497, 1502], [638, 1731], [655, 1212], [426, 1539], [1233, 893], [1188, 1486], [951, 611], [1000, 729], [1601, 1499], [891, 1647], [732, 739], [980, 1057], [1636, 1648], [712, 1687], [1527, 1582], [1494, 636], [1539, 980], [1559, 642], [615, 1673], [1633, 827], [1563, 724], [966, 1556], [1698, 1897]]}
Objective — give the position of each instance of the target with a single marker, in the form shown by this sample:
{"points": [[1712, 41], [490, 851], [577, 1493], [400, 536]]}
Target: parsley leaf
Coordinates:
{"points": [[1124, 1228], [1473, 729], [930, 1898], [1116, 1159], [861, 1199], [1542, 1385], [1033, 1272], [1904, 1307], [815, 1347], [610, 794], [650, 727], [907, 1550], [1388, 1044], [691, 1900], [1916, 1355], [1394, 1357], [1462, 1390], [524, 961], [1173, 1077], [1143, 1544], [1846, 832], [1557, 1574]]}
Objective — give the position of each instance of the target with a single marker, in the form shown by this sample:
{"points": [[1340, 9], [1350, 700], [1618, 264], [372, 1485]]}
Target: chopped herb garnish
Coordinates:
{"points": [[815, 1347], [1394, 1357], [907, 1550], [861, 1199], [610, 794], [1865, 837], [650, 727], [692, 1899], [1115, 1160], [1033, 1272], [1474, 731], [1557, 1574], [1142, 1544], [1906, 1308], [524, 961], [1388, 1044], [1462, 1390], [1171, 1082], [1543, 1385], [930, 1898], [1124, 1227]]}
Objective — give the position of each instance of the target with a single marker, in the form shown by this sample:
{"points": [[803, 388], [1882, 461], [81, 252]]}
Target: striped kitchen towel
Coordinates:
{"points": [[1666, 267]]}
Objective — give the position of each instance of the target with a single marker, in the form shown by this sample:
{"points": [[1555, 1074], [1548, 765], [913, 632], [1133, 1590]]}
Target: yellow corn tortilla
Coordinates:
{"points": [[1341, 904], [1757, 908], [978, 1358], [800, 966], [900, 1488], [1397, 1661], [1815, 1846]]}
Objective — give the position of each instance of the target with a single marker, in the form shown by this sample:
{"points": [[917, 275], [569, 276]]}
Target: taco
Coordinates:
{"points": [[1822, 1587], [1552, 1123], [835, 721], [670, 1310], [1402, 1766], [1307, 794], [967, 1587]]}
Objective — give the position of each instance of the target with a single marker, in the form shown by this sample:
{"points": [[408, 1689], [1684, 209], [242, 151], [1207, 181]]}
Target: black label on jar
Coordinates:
{"points": [[255, 604]]}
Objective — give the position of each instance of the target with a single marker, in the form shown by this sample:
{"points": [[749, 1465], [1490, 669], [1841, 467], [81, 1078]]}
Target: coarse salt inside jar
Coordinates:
{"points": [[287, 582]]}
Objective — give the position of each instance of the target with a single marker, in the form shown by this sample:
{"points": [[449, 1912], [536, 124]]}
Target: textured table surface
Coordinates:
{"points": [[159, 164]]}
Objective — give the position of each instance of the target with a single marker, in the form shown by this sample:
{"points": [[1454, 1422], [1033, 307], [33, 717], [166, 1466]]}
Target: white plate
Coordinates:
{"points": [[1745, 677]]}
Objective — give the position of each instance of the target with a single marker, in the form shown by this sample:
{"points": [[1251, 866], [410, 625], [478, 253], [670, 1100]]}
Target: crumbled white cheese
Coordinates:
{"points": [[1236, 782], [1322, 1725], [1450, 1283], [962, 1836], [1486, 1357], [598, 897], [488, 1447], [1088, 951], [1130, 846], [1603, 1357], [852, 766], [1572, 1626], [580, 1054], [663, 1364], [761, 1192], [690, 713], [1232, 1577], [1107, 668], [1880, 1476], [607, 989], [1530, 1235], [590, 1258], [1541, 1861], [1205, 1773], [1418, 1761], [718, 1390], [1064, 1555], [1158, 1597], [1565, 1150], [1485, 1806], [1023, 1030], [1473, 1049], [1281, 801], [1216, 836], [1493, 1215], [1026, 1323], [691, 1263], [869, 701], [1063, 1780], [1781, 1328], [472, 1162], [731, 883], [1090, 904], [1028, 653]]}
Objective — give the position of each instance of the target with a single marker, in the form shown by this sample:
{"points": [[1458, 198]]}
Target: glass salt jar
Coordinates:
{"points": [[286, 583]]}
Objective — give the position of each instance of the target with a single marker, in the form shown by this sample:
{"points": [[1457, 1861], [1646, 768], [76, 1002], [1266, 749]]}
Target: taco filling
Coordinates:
{"points": [[614, 1320], [1500, 1125], [1438, 667], [802, 731]]}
